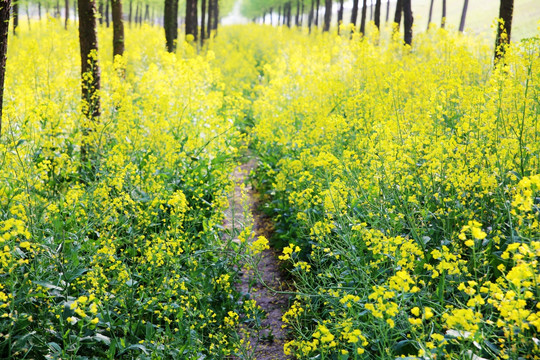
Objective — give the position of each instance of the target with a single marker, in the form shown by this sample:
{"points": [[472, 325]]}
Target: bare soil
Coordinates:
{"points": [[267, 342]]}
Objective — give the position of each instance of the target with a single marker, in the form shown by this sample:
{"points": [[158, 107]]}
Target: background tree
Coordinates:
{"points": [[15, 11], [463, 16], [340, 15], [504, 28], [191, 19], [363, 18], [118, 28], [354, 12], [327, 15], [430, 13], [170, 24], [90, 74], [407, 21], [5, 8], [377, 18], [66, 20], [443, 17]]}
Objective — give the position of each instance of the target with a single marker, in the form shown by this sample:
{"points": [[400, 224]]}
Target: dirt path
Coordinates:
{"points": [[267, 343]]}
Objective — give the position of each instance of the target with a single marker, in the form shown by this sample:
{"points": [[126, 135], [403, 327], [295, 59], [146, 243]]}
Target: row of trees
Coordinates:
{"points": [[296, 12]]}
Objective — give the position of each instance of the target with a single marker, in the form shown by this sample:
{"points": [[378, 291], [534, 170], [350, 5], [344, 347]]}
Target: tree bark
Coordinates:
{"points": [[215, 22], [327, 15], [363, 19], [354, 12], [378, 14], [100, 11], [504, 28], [443, 18], [203, 21], [387, 11], [130, 15], [407, 21], [397, 15], [430, 13], [107, 23], [67, 14], [118, 28], [5, 8], [317, 13], [169, 20], [191, 19], [463, 16], [90, 74], [340, 16], [15, 16], [39, 10], [311, 15], [211, 17], [147, 13]]}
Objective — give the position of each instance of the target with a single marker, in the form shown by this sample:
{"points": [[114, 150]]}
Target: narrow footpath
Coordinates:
{"points": [[267, 342]]}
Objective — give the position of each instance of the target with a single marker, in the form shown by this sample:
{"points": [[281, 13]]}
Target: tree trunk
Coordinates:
{"points": [[463, 16], [5, 8], [317, 13], [504, 28], [387, 10], [67, 14], [15, 16], [130, 15], [107, 13], [340, 16], [397, 15], [354, 12], [371, 11], [90, 75], [327, 15], [311, 15], [169, 20], [100, 11], [407, 21], [57, 10], [147, 13], [191, 19], [203, 21], [28, 15], [302, 12], [118, 28], [363, 19], [430, 13], [378, 14], [443, 18], [215, 22], [39, 10], [137, 13], [297, 18], [210, 17]]}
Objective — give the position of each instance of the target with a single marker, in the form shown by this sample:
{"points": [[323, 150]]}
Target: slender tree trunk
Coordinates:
{"points": [[169, 19], [327, 15], [107, 22], [311, 15], [387, 10], [191, 19], [297, 18], [15, 16], [363, 19], [371, 10], [397, 14], [5, 8], [378, 14], [57, 10], [90, 74], [317, 13], [504, 28], [210, 17], [354, 12], [118, 28], [302, 12], [137, 13], [147, 13], [203, 21], [340, 16], [216, 16], [130, 15], [407, 21], [66, 14], [430, 13], [443, 18], [100, 11], [39, 10], [463, 16]]}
